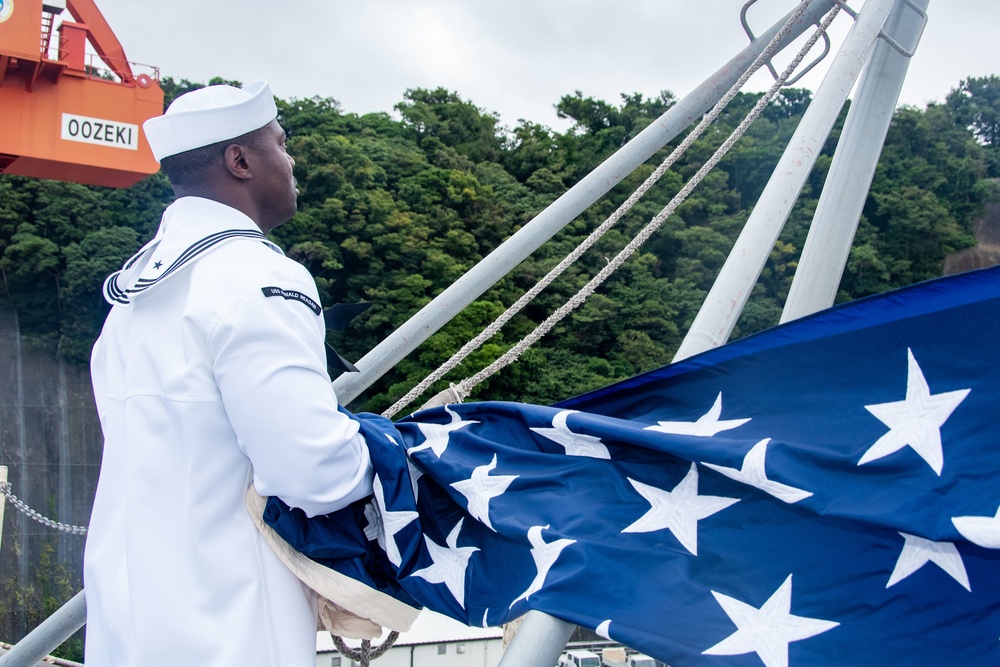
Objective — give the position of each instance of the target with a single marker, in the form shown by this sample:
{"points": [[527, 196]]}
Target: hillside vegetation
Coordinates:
{"points": [[394, 208]]}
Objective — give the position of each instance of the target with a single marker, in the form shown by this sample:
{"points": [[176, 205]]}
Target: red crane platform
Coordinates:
{"points": [[66, 114]]}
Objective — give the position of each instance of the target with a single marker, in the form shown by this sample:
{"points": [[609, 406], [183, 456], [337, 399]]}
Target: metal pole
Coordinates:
{"points": [[724, 303], [838, 212], [52, 632], [562, 211], [539, 641]]}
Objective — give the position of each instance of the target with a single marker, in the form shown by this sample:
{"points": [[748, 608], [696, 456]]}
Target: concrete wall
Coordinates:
{"points": [[986, 253], [50, 439]]}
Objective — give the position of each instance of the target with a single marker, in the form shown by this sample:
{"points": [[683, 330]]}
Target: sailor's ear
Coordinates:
{"points": [[235, 158]]}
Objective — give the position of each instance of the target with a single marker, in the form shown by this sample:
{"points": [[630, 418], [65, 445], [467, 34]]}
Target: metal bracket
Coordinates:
{"points": [[907, 53], [770, 67], [903, 51], [847, 10]]}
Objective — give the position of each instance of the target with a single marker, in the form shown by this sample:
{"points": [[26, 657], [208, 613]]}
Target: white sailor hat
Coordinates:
{"points": [[209, 115]]}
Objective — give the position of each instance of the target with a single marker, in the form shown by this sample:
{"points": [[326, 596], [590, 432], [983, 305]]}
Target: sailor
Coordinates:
{"points": [[210, 376]]}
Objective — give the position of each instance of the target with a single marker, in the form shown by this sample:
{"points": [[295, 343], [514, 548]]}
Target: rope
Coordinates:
{"points": [[19, 504], [49, 659], [464, 388], [365, 653]]}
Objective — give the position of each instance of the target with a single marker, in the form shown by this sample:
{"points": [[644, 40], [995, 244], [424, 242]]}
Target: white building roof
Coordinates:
{"points": [[429, 628]]}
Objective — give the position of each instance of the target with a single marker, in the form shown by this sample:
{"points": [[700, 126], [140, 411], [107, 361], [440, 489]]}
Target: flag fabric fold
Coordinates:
{"points": [[823, 493]]}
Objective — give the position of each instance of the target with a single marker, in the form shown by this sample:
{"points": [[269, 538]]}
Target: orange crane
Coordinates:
{"points": [[67, 118]]}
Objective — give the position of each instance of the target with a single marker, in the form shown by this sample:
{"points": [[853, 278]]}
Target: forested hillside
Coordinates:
{"points": [[394, 208]]}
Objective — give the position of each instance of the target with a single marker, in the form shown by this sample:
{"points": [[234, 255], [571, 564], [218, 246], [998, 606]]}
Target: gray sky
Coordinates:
{"points": [[513, 57]]}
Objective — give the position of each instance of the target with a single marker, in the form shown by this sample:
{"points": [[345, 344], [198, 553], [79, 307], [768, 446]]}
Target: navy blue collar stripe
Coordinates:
{"points": [[115, 294], [193, 251]]}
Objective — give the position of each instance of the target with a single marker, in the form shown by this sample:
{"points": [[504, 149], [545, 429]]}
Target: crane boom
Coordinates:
{"points": [[107, 46]]}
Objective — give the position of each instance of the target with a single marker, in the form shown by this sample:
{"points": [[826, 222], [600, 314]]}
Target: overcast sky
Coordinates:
{"points": [[513, 57]]}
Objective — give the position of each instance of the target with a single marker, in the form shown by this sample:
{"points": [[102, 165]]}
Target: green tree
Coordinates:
{"points": [[394, 210], [976, 106], [442, 116]]}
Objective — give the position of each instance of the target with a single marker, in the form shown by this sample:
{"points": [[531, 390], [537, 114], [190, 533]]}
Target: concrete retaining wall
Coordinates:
{"points": [[50, 439], [986, 253]]}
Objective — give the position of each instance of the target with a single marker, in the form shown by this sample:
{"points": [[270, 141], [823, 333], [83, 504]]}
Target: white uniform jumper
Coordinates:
{"points": [[210, 374]]}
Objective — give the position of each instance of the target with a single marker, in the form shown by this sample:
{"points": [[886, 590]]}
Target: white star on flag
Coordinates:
{"points": [[766, 631], [604, 629], [544, 554], [915, 421], [391, 523], [679, 510], [450, 563], [481, 488], [983, 531], [436, 435], [374, 529], [415, 475], [576, 444], [917, 552], [753, 473], [707, 425]]}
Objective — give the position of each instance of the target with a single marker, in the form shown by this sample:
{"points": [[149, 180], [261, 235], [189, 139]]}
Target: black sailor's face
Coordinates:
{"points": [[278, 189]]}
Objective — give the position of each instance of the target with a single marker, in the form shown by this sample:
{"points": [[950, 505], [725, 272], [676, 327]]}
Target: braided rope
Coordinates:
{"points": [[20, 505], [365, 653], [49, 659], [464, 388]]}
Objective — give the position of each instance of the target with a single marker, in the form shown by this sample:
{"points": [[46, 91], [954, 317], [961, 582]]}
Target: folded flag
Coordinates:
{"points": [[826, 492]]}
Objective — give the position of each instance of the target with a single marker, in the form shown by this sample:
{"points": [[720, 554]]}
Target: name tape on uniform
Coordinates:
{"points": [[293, 296], [100, 132]]}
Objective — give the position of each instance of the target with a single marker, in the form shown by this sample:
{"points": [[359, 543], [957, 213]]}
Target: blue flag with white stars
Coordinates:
{"points": [[823, 493]]}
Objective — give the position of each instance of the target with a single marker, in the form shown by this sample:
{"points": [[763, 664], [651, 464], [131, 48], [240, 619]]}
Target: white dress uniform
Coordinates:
{"points": [[209, 376]]}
